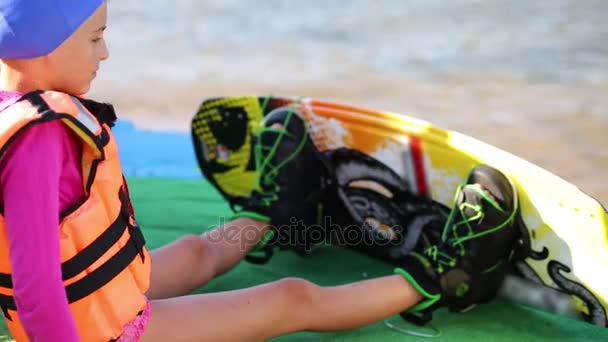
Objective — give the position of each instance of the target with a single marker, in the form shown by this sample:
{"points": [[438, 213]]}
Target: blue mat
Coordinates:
{"points": [[147, 153]]}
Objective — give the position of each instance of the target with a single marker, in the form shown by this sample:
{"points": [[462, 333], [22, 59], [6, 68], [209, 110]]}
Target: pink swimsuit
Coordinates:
{"points": [[41, 174]]}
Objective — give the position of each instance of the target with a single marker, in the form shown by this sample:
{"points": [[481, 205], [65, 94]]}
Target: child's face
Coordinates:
{"points": [[74, 64]]}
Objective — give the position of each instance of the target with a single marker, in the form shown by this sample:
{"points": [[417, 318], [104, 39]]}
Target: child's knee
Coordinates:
{"points": [[300, 292], [193, 245]]}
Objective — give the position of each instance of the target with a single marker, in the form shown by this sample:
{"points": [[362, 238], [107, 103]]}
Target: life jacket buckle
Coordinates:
{"points": [[137, 237]]}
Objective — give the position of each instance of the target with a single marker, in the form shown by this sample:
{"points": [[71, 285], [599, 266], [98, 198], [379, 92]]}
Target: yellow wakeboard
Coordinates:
{"points": [[567, 242]]}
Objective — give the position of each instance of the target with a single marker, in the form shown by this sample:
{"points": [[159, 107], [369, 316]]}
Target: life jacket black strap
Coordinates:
{"points": [[97, 248], [103, 274], [109, 270], [7, 303]]}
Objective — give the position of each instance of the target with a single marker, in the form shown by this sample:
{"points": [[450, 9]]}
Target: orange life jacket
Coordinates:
{"points": [[105, 266]]}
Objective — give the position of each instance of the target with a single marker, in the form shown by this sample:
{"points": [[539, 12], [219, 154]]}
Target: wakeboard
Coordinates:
{"points": [[564, 250]]}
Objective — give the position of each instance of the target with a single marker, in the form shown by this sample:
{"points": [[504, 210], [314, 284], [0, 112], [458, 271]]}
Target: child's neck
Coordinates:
{"points": [[13, 78]]}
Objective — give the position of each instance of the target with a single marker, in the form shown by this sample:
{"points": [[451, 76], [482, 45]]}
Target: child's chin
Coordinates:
{"points": [[79, 89]]}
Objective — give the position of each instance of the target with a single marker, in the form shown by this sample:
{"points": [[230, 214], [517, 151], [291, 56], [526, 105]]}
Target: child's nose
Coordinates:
{"points": [[105, 53]]}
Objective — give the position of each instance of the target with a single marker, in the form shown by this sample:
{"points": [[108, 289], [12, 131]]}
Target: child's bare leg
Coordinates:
{"points": [[188, 263], [277, 308]]}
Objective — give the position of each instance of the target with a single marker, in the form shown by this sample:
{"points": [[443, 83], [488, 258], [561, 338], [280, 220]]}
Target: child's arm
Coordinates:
{"points": [[30, 174]]}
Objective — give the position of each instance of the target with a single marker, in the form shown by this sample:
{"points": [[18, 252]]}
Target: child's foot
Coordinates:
{"points": [[465, 263], [290, 176]]}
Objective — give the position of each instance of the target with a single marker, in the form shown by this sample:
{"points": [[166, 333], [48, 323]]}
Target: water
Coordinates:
{"points": [[528, 76]]}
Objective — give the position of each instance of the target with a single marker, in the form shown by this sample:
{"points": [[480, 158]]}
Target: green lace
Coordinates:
{"points": [[267, 172], [450, 236]]}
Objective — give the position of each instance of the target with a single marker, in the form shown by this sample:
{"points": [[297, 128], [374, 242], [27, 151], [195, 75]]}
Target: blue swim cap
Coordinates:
{"points": [[34, 28]]}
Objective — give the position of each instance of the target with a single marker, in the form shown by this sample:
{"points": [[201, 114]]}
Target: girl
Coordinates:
{"points": [[72, 261]]}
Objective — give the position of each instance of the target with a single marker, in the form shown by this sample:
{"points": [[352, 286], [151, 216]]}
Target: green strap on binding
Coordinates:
{"points": [[251, 215], [256, 216], [429, 300]]}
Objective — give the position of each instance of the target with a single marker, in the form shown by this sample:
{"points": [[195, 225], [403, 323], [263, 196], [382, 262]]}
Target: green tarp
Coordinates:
{"points": [[169, 208]]}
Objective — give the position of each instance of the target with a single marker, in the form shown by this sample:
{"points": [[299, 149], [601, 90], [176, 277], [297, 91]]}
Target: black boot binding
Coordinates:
{"points": [[465, 263], [289, 195]]}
